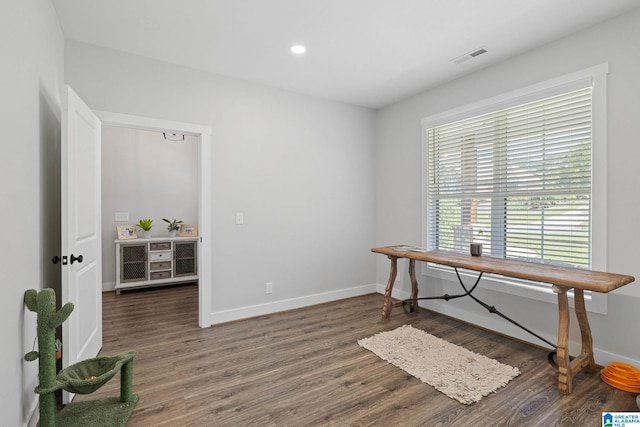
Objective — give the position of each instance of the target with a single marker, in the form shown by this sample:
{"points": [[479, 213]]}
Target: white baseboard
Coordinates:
{"points": [[602, 357], [108, 286], [288, 304]]}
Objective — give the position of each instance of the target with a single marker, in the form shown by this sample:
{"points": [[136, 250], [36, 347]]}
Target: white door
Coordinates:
{"points": [[81, 230]]}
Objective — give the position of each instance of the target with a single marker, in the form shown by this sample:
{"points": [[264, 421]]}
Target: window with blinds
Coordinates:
{"points": [[517, 180]]}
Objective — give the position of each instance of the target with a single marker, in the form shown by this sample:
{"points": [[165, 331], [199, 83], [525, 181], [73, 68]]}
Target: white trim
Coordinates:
{"points": [[204, 208], [604, 357], [289, 304], [595, 76], [599, 175]]}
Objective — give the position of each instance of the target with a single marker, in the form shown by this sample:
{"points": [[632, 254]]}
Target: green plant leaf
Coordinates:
{"points": [[145, 224]]}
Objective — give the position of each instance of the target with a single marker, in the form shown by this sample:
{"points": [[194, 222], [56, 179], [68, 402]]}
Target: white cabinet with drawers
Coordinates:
{"points": [[155, 261]]}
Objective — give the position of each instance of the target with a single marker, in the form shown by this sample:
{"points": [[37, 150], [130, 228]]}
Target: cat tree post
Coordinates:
{"points": [[84, 377], [44, 304]]}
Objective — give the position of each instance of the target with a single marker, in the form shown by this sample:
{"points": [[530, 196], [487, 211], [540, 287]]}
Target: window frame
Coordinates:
{"points": [[595, 77]]}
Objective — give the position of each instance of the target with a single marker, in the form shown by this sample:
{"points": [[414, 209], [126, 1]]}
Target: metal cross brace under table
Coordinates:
{"points": [[412, 303]]}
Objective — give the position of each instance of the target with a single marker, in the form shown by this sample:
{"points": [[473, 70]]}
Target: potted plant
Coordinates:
{"points": [[145, 225], [172, 226]]}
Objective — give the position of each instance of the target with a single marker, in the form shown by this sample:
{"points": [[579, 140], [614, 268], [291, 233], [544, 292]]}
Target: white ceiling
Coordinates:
{"points": [[365, 52]]}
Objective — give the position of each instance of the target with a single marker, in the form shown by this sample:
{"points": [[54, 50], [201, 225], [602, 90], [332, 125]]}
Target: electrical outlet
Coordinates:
{"points": [[269, 288]]}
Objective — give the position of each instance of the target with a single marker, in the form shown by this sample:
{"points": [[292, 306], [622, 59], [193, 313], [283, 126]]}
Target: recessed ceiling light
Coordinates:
{"points": [[298, 49]]}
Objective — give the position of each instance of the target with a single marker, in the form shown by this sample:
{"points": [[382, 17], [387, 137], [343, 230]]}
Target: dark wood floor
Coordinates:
{"points": [[305, 368]]}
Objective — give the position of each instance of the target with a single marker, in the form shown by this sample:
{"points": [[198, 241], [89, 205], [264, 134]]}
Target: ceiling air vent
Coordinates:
{"points": [[470, 55]]}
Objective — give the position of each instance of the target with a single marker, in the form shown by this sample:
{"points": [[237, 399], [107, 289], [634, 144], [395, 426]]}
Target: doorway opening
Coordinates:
{"points": [[201, 136]]}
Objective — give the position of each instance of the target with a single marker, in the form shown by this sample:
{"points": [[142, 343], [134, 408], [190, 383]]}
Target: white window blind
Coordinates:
{"points": [[517, 180]]}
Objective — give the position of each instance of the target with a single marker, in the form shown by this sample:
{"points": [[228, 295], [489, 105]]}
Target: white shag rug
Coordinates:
{"points": [[455, 371]]}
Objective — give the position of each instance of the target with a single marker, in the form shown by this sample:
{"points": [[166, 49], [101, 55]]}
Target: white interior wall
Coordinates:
{"points": [[299, 168], [145, 176], [398, 179], [31, 77]]}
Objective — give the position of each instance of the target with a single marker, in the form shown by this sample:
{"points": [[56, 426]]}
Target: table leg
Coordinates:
{"points": [[587, 361], [413, 306], [567, 368], [565, 374], [386, 308]]}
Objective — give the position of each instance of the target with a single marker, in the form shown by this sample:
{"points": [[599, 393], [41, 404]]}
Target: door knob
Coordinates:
{"points": [[56, 259], [74, 258]]}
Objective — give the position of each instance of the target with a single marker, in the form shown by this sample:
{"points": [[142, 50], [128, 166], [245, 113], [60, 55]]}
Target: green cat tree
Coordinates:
{"points": [[83, 377]]}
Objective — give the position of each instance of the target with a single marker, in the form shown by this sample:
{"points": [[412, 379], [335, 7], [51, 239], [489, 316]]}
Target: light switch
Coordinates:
{"points": [[122, 216], [239, 218]]}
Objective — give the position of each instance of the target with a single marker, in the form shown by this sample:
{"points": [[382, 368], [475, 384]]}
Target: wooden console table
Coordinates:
{"points": [[562, 279]]}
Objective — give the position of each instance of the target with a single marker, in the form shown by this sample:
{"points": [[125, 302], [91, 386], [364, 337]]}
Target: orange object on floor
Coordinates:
{"points": [[622, 376]]}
